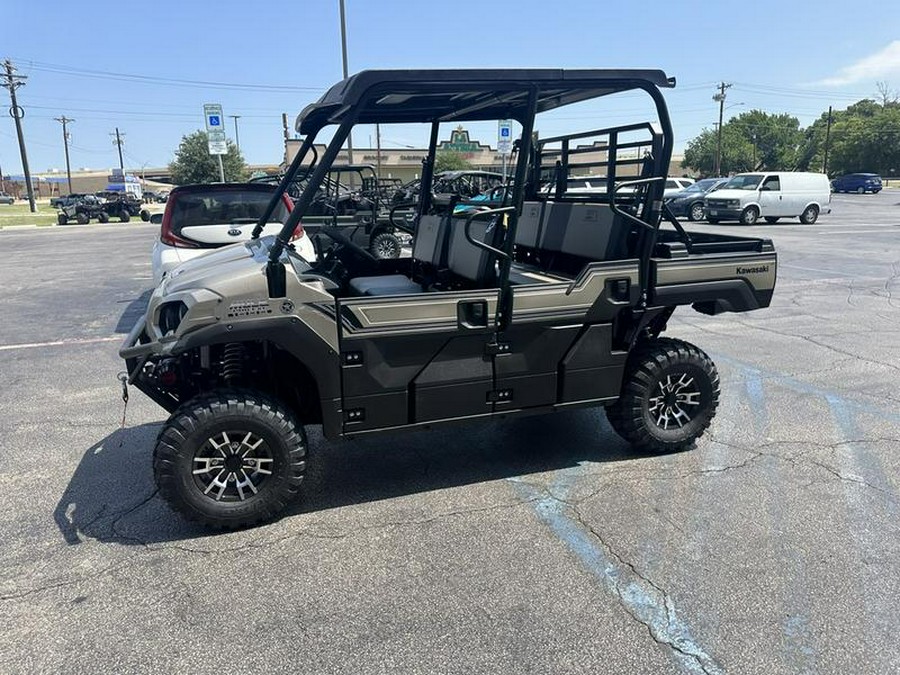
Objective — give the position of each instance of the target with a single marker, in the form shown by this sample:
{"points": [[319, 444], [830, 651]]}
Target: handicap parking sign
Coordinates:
{"points": [[215, 121], [504, 131]]}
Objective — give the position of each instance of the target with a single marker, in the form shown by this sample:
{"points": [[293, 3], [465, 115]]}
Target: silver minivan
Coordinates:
{"points": [[747, 197]]}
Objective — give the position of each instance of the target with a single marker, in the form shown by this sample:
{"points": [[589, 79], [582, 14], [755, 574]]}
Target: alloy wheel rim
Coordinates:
{"points": [[697, 211], [386, 248], [232, 466], [675, 402]]}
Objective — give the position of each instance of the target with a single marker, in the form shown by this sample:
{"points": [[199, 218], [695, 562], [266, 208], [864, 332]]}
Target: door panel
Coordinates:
{"points": [[412, 358], [547, 319]]}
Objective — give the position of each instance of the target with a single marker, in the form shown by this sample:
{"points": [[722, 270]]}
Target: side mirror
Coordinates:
{"points": [[156, 218]]}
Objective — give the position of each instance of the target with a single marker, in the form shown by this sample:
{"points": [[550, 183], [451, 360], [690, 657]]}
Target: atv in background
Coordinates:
{"points": [[83, 210], [353, 199], [124, 207]]}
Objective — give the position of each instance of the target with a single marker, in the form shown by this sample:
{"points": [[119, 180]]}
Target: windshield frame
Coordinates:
{"points": [[744, 181]]}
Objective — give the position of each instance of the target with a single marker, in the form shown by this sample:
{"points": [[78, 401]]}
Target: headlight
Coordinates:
{"points": [[734, 202], [170, 316]]}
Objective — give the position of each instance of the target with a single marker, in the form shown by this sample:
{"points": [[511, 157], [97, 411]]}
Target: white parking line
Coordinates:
{"points": [[58, 343]]}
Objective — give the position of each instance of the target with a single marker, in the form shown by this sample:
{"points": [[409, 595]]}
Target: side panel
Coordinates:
{"points": [[547, 320], [407, 359]]}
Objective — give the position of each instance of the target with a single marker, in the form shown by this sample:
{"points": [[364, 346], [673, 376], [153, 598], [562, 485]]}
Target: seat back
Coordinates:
{"points": [[431, 237], [528, 229], [468, 261], [583, 230]]}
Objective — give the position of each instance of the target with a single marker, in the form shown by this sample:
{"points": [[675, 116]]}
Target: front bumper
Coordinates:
{"points": [[722, 213]]}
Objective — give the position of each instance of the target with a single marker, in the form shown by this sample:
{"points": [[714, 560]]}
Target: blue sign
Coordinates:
{"points": [[504, 131], [215, 121]]}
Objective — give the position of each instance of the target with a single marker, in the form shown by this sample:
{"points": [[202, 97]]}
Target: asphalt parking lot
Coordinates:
{"points": [[530, 546]]}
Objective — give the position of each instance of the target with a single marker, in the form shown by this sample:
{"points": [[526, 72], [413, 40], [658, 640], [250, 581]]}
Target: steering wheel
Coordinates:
{"points": [[338, 237]]}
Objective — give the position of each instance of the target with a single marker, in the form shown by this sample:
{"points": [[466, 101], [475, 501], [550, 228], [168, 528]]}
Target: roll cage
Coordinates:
{"points": [[440, 96]]}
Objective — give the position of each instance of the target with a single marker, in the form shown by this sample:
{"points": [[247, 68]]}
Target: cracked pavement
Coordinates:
{"points": [[529, 546]]}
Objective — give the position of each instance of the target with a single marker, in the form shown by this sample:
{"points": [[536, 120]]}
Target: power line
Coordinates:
{"points": [[152, 79]]}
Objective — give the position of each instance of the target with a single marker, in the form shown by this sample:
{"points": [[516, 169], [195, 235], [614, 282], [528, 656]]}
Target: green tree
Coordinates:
{"points": [[450, 160], [752, 141], [194, 164], [700, 154]]}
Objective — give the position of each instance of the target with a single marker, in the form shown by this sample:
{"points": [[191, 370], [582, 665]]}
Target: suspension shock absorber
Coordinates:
{"points": [[233, 363]]}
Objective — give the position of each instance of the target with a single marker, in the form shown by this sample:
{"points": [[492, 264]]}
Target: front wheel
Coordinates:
{"points": [[230, 458], [749, 216], [670, 393], [62, 219], [810, 214], [696, 211], [145, 215], [82, 219], [860, 190], [124, 217], [386, 246], [103, 217]]}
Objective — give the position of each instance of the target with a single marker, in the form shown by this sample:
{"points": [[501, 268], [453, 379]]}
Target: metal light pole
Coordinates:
{"points": [[827, 143], [66, 120], [344, 55]]}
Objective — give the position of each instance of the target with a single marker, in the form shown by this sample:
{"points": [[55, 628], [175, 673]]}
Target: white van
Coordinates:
{"points": [[747, 197]]}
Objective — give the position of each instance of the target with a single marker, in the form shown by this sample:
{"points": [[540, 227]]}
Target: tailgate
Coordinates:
{"points": [[220, 234], [717, 274]]}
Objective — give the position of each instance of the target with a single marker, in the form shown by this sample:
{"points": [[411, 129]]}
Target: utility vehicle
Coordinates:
{"points": [[550, 302]]}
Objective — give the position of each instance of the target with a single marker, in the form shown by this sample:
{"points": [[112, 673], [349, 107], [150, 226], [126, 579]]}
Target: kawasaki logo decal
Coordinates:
{"points": [[762, 269]]}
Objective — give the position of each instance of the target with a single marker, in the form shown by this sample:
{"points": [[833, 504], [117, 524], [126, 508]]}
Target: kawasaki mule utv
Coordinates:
{"points": [[551, 301]]}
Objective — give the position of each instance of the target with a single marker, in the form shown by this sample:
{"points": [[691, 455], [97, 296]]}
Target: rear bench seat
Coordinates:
{"points": [[559, 232]]}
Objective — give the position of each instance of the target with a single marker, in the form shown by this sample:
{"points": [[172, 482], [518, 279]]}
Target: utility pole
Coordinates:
{"points": [[378, 148], [344, 54], [827, 143], [119, 141], [237, 139], [720, 98], [66, 120], [13, 82]]}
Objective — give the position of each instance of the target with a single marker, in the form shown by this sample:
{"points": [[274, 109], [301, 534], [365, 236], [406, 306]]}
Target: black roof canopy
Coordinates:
{"points": [[403, 96]]}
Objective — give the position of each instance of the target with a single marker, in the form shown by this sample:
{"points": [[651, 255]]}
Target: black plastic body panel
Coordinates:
{"points": [[591, 369]]}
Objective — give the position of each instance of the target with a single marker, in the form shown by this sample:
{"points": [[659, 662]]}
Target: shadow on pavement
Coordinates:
{"points": [[111, 496], [134, 311]]}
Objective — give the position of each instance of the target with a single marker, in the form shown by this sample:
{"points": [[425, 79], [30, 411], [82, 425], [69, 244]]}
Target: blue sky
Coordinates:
{"points": [[276, 56]]}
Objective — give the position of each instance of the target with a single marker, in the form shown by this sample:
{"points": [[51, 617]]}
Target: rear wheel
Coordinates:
{"points": [[230, 458], [145, 215], [772, 219], [750, 215], [385, 245], [61, 219], [670, 393], [696, 211], [810, 214], [860, 190], [103, 217], [82, 218], [124, 217]]}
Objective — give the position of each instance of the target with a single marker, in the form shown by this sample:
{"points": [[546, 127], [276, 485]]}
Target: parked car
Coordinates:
{"points": [[858, 182], [68, 200], [202, 217], [6, 199], [689, 202], [675, 185], [747, 197]]}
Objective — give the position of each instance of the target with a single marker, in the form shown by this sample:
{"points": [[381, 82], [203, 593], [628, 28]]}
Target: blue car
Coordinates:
{"points": [[689, 202], [858, 182]]}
